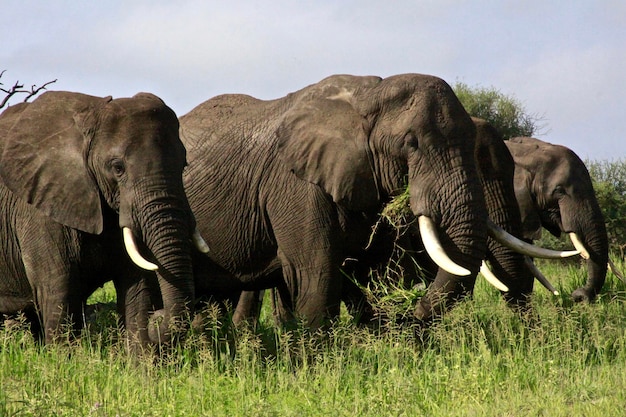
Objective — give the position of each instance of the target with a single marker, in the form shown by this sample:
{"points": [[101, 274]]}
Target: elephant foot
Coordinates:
{"points": [[423, 318], [583, 294], [163, 329]]}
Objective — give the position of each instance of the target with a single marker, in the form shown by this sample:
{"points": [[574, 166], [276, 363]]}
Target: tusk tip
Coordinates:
{"points": [[462, 272], [199, 242], [492, 279]]}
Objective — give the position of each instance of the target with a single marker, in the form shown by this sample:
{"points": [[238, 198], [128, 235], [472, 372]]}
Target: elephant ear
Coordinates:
{"points": [[44, 158], [324, 141], [531, 220]]}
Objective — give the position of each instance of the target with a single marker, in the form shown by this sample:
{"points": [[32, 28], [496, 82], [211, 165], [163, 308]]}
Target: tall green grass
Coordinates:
{"points": [[483, 359]]}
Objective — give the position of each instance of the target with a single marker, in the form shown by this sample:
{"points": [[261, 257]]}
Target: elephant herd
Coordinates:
{"points": [[241, 195]]}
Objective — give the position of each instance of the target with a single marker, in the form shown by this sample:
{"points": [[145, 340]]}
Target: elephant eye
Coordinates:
{"points": [[411, 140], [118, 168], [558, 191]]}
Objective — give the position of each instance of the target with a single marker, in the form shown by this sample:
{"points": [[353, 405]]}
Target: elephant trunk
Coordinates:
{"points": [[456, 203], [507, 264], [166, 226], [593, 236]]}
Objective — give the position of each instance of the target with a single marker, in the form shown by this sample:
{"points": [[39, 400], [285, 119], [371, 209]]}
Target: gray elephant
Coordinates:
{"points": [[285, 189], [506, 258], [76, 171], [554, 191]]}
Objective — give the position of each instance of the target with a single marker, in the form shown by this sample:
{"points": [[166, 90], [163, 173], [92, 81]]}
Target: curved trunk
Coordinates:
{"points": [[166, 226], [594, 237], [508, 265], [456, 203]]}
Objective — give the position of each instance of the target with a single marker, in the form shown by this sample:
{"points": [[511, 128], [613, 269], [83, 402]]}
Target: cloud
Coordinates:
{"points": [[565, 63]]}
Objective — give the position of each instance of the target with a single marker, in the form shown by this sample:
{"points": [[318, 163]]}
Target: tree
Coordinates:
{"points": [[609, 183], [505, 113], [19, 89]]}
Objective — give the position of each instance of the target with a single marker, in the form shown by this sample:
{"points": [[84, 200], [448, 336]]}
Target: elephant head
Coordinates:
{"points": [[363, 138], [554, 191], [70, 154]]}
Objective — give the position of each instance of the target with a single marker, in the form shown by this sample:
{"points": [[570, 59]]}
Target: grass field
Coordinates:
{"points": [[482, 360]]}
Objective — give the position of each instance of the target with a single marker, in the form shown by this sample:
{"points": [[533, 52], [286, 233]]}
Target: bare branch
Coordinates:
{"points": [[35, 90], [11, 92], [18, 89]]}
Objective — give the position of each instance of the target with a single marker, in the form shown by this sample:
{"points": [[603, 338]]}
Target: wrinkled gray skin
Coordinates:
{"points": [[554, 191], [284, 189], [74, 170], [496, 172]]}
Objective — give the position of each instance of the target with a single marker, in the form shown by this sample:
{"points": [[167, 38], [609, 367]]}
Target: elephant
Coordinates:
{"points": [[88, 186], [285, 189], [554, 191], [507, 261]]}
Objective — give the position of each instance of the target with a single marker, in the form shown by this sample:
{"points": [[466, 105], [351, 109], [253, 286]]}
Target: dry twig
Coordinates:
{"points": [[19, 89]]}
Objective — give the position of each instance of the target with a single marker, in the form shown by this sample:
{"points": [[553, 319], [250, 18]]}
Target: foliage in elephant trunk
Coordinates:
{"points": [[169, 241], [455, 201]]}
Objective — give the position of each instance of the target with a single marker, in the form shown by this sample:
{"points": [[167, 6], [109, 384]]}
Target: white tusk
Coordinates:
{"points": [[491, 278], [518, 245], [578, 244], [616, 271], [540, 277], [428, 232], [198, 242], [133, 252]]}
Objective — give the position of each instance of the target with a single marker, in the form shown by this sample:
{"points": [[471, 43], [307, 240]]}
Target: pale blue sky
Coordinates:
{"points": [[566, 63]]}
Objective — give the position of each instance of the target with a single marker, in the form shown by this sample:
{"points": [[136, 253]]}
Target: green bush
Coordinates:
{"points": [[505, 113], [609, 183]]}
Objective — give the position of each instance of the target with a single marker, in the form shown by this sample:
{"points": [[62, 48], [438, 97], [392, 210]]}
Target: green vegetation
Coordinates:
{"points": [[509, 116], [609, 183], [561, 359], [504, 112], [481, 360]]}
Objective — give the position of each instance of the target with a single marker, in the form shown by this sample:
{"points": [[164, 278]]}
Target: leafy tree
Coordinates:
{"points": [[19, 89], [505, 113], [609, 183]]}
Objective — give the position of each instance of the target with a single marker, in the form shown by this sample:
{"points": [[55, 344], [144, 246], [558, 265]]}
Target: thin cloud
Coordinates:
{"points": [[563, 63]]}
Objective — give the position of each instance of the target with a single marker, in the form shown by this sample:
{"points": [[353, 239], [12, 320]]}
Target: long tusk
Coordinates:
{"points": [[198, 242], [540, 277], [616, 271], [133, 252], [518, 245], [491, 278], [428, 232], [578, 244]]}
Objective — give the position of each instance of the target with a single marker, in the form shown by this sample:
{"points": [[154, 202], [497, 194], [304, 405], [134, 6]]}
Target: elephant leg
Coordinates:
{"points": [[282, 305], [356, 302], [134, 301], [310, 251], [248, 307], [314, 289], [56, 300], [52, 305], [442, 294]]}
